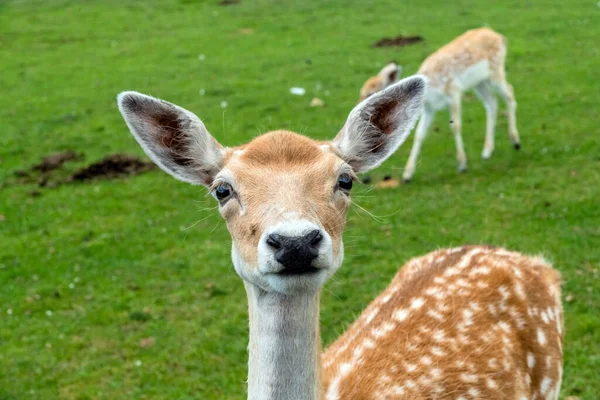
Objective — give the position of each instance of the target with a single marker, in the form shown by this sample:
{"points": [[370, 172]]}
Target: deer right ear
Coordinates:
{"points": [[174, 138], [390, 74], [380, 124]]}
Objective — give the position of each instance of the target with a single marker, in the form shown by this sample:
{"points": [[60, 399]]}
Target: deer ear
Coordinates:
{"points": [[174, 138], [380, 124], [390, 74]]}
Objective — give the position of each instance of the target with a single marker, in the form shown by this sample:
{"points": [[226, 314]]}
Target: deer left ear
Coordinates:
{"points": [[174, 138], [380, 124]]}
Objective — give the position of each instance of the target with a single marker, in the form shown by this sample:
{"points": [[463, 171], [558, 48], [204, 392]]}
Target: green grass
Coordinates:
{"points": [[89, 270]]}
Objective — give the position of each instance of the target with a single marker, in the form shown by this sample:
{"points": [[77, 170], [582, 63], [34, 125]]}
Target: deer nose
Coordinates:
{"points": [[296, 253]]}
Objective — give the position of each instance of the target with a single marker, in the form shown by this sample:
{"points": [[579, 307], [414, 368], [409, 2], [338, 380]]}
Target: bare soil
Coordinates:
{"points": [[111, 167], [398, 41]]}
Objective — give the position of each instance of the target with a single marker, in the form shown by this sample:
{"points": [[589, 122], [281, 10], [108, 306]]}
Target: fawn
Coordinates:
{"points": [[475, 60], [462, 323]]}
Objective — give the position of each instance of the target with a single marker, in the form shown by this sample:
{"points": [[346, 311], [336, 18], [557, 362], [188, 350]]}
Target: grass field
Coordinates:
{"points": [[124, 289]]}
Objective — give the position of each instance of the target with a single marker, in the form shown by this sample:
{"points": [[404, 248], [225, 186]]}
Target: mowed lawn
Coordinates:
{"points": [[124, 289]]}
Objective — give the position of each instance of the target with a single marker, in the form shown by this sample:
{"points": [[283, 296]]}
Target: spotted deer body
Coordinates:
{"points": [[284, 198], [465, 323], [473, 61]]}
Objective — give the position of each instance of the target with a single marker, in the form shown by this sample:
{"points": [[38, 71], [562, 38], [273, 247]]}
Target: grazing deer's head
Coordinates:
{"points": [[284, 196], [386, 77]]}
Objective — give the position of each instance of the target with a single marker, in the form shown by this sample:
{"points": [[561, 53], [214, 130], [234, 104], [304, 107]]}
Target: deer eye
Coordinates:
{"points": [[223, 192], [345, 182]]}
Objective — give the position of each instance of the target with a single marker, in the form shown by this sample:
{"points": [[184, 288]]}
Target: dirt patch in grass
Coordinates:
{"points": [[50, 172], [56, 160], [112, 166], [398, 41], [49, 163], [228, 2]]}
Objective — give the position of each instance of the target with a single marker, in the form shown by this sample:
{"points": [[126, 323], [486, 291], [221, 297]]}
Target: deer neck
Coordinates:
{"points": [[285, 346]]}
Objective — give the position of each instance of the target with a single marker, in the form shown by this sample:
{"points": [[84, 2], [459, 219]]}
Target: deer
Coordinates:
{"points": [[475, 60], [460, 323]]}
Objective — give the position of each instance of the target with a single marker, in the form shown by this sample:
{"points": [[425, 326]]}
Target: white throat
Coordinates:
{"points": [[285, 346]]}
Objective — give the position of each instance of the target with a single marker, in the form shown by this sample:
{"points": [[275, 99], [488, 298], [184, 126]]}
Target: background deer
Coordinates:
{"points": [[474, 60], [462, 323]]}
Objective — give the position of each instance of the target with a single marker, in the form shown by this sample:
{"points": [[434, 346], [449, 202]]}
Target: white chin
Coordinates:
{"points": [[298, 283]]}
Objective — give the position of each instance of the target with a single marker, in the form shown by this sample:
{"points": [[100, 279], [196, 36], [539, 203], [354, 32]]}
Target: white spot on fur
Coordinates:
{"points": [[417, 303], [530, 360], [435, 315], [432, 291], [439, 335], [504, 326], [482, 285], [383, 330], [491, 383], [437, 351], [372, 315], [467, 314], [410, 367], [464, 339], [369, 344], [541, 337], [550, 313], [438, 389], [545, 385], [468, 378], [519, 291], [439, 280], [483, 270], [425, 381], [517, 317], [426, 360], [345, 368], [398, 390], [400, 314]]}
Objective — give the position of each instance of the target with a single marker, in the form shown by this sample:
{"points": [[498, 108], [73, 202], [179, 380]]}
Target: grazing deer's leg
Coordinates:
{"points": [[507, 93], [490, 102], [421, 132], [455, 123]]}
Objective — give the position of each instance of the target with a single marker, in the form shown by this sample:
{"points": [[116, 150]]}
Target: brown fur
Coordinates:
{"points": [[373, 85], [466, 50], [410, 353], [288, 168]]}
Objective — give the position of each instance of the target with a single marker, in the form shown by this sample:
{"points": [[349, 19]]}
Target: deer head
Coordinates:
{"points": [[284, 196]]}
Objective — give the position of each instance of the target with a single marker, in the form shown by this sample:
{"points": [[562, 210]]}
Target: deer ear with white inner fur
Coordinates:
{"points": [[174, 138], [390, 74], [380, 124]]}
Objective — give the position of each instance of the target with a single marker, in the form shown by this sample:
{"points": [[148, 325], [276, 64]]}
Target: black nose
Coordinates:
{"points": [[296, 253]]}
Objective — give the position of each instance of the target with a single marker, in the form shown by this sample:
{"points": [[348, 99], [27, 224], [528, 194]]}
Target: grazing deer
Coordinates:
{"points": [[474, 60], [469, 322]]}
